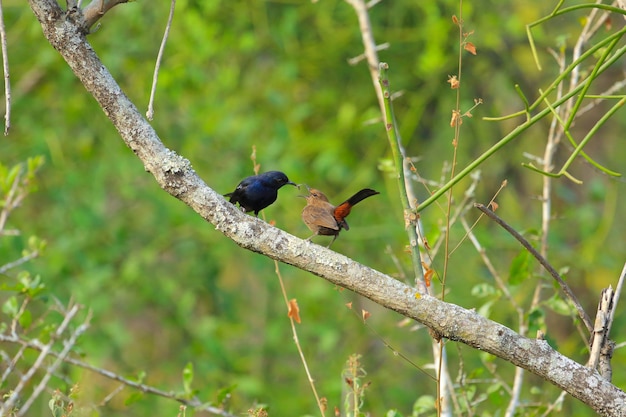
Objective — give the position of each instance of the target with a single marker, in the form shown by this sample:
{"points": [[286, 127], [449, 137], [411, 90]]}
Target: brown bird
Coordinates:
{"points": [[325, 219]]}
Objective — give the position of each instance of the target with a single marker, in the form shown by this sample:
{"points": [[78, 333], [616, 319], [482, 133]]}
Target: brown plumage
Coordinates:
{"points": [[325, 219]]}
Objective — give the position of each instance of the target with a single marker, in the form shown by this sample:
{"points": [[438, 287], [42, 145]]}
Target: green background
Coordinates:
{"points": [[166, 288]]}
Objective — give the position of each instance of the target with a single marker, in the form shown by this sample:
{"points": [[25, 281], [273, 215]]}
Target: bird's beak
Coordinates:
{"points": [[294, 184]]}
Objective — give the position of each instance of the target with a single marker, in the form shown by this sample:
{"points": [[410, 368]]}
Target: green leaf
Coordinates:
{"points": [[536, 320], [225, 393], [520, 268], [133, 398], [423, 404], [484, 290], [26, 319], [485, 309], [188, 377], [559, 305], [495, 393], [10, 306]]}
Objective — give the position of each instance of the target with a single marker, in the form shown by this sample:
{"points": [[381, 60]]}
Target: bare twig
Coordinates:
{"points": [[44, 351], [95, 10], [320, 403], [195, 403], [600, 330], [601, 346], [157, 66], [28, 257], [68, 345], [566, 289], [355, 60], [11, 201], [296, 340], [5, 69]]}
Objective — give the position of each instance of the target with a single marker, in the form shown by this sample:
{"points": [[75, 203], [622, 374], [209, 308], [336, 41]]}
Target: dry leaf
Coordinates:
{"points": [[349, 305], [469, 47], [494, 206], [456, 119], [293, 310], [428, 274], [366, 314]]}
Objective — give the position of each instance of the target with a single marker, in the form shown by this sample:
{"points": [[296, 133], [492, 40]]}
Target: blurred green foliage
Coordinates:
{"points": [[169, 293]]}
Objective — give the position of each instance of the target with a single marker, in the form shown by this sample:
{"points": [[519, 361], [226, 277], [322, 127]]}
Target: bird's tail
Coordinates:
{"points": [[343, 209], [360, 196]]}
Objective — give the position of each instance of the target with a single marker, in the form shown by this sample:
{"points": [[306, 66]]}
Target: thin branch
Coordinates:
{"points": [[68, 345], [28, 257], [95, 10], [11, 201], [602, 346], [195, 403], [157, 66], [566, 289], [45, 350], [320, 403], [600, 333], [5, 69], [355, 60]]}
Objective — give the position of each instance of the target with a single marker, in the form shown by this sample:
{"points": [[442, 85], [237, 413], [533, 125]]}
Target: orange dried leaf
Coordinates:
{"points": [[428, 274], [455, 20], [366, 314], [456, 119], [349, 305], [494, 206], [293, 311], [469, 47]]}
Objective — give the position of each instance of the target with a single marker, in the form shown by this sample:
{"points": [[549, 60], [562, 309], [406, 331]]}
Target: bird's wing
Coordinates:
{"points": [[320, 217]]}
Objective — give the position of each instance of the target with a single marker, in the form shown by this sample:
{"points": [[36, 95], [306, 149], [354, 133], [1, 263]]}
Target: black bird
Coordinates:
{"points": [[258, 191]]}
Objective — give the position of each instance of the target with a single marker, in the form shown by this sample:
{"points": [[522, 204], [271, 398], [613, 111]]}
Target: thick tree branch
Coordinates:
{"points": [[175, 175]]}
